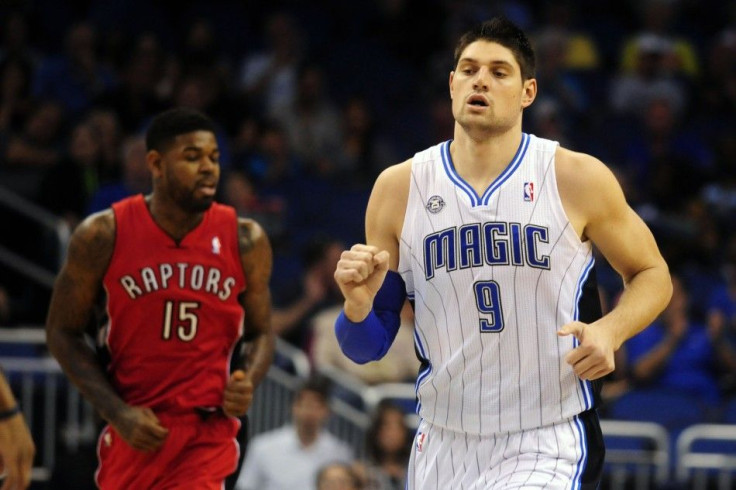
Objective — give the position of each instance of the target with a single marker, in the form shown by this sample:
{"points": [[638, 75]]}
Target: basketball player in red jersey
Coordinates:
{"points": [[184, 279]]}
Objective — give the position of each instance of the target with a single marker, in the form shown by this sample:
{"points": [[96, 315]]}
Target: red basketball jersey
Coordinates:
{"points": [[174, 315]]}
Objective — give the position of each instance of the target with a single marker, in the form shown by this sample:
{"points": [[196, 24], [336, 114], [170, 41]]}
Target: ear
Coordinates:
{"points": [[529, 93], [452, 76], [154, 163]]}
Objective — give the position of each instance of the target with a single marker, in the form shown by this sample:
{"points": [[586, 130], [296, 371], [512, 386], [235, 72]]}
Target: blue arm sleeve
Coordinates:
{"points": [[370, 339]]}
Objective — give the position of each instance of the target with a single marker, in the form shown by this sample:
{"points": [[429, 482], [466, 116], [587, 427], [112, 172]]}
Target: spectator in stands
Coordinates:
{"points": [[667, 160], [659, 18], [294, 307], [135, 179], [679, 354], [338, 476], [77, 78], [312, 123], [15, 38], [291, 456], [16, 446], [268, 78], [136, 98], [400, 364], [363, 152], [15, 87], [66, 188], [388, 444], [272, 164], [717, 89], [39, 143], [562, 86], [631, 92], [269, 211], [721, 308], [107, 124]]}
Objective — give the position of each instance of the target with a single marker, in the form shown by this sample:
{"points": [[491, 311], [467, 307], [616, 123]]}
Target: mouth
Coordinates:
{"points": [[208, 189], [478, 100]]}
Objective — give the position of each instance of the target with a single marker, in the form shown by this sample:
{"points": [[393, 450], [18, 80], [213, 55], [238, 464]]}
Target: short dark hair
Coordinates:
{"points": [[316, 384], [504, 32], [171, 123]]}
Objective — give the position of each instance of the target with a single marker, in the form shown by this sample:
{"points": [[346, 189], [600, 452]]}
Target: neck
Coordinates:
{"points": [[479, 160], [170, 217], [306, 437]]}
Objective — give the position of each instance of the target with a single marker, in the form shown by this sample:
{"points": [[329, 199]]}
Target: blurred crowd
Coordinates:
{"points": [[314, 99]]}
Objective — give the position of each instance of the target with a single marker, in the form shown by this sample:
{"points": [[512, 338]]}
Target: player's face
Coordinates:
{"points": [[190, 170], [486, 88]]}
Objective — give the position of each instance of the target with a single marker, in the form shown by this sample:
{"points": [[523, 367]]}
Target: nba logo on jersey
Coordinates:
{"points": [[421, 436], [216, 246], [528, 191]]}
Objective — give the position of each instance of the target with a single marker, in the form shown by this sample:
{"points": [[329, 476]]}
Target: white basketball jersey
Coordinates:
{"points": [[493, 277]]}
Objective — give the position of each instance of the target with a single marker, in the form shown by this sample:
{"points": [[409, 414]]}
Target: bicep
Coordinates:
{"points": [[384, 216], [625, 241], [80, 280], [616, 230]]}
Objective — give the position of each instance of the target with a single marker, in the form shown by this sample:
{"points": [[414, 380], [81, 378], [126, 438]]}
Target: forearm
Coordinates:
{"points": [[259, 356], [370, 338], [644, 297], [285, 319], [79, 363], [7, 399], [726, 353], [653, 362]]}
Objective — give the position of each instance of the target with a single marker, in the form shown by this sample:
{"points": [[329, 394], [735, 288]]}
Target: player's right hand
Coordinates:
{"points": [[140, 428], [16, 453], [359, 274]]}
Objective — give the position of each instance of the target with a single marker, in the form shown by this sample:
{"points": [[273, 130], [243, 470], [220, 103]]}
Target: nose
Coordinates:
{"points": [[207, 164], [481, 79]]}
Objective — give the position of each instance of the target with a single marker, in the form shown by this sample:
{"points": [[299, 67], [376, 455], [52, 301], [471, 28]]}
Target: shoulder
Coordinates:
{"points": [[394, 178], [585, 180], [272, 440], [96, 231], [251, 235], [573, 165], [92, 243], [389, 198]]}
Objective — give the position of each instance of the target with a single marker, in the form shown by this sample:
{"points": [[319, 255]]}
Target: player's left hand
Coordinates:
{"points": [[238, 394], [593, 357]]}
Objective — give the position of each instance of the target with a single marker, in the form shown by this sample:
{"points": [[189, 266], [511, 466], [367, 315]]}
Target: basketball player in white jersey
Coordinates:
{"points": [[490, 237]]}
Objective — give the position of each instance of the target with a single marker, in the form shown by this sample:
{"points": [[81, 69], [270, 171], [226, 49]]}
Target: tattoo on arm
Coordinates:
{"points": [[256, 259], [72, 303]]}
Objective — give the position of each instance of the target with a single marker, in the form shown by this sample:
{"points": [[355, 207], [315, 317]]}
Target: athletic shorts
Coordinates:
{"points": [[199, 452], [565, 455]]}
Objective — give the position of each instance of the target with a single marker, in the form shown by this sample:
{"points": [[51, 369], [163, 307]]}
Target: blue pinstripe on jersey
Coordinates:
{"points": [[424, 372], [578, 294], [508, 172], [503, 177], [577, 478]]}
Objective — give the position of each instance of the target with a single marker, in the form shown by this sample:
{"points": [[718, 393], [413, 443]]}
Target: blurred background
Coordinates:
{"points": [[312, 100]]}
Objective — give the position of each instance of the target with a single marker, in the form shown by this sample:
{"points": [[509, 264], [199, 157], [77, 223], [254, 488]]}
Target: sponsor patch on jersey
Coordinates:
{"points": [[421, 439], [435, 204], [529, 191], [216, 246]]}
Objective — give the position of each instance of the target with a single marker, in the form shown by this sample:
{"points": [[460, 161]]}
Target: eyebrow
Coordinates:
{"points": [[196, 148], [493, 62]]}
